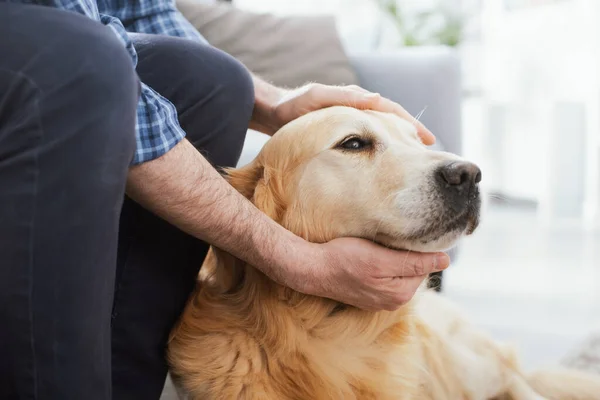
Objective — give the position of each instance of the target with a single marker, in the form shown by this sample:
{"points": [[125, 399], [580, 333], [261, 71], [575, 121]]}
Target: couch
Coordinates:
{"points": [[418, 78]]}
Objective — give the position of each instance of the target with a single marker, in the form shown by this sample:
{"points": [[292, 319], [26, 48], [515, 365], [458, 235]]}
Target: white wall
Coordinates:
{"points": [[532, 60]]}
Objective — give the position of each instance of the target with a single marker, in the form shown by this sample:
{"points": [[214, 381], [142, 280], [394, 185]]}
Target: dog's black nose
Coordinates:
{"points": [[459, 174]]}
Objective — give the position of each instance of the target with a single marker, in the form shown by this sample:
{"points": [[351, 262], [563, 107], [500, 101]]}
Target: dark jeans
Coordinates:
{"points": [[91, 283]]}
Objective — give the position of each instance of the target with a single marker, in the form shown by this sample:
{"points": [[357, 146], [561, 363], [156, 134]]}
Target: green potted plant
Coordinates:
{"points": [[441, 25]]}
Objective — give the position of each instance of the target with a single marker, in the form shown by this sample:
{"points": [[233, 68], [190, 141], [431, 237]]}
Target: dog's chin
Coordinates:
{"points": [[433, 236], [442, 243]]}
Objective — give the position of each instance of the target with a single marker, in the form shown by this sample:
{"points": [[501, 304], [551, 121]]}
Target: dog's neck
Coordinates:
{"points": [[229, 275], [231, 280]]}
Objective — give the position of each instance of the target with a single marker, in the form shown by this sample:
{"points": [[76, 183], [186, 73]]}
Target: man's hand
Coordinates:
{"points": [[360, 273], [184, 189], [276, 107]]}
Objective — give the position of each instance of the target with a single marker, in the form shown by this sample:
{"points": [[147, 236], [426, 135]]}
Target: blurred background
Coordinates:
{"points": [[513, 85]]}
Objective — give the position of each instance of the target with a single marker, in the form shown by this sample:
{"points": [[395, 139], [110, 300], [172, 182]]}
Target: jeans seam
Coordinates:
{"points": [[32, 83], [32, 243], [119, 282]]}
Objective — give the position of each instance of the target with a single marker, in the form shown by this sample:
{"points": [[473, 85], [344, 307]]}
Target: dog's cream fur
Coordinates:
{"points": [[242, 336]]}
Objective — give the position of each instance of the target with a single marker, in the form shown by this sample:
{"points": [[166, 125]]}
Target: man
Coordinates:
{"points": [[91, 280]]}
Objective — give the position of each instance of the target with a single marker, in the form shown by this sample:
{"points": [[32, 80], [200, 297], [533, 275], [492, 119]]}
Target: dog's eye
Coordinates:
{"points": [[354, 143]]}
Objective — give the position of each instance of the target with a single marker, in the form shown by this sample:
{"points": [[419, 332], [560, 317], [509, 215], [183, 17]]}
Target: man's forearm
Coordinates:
{"points": [[185, 190]]}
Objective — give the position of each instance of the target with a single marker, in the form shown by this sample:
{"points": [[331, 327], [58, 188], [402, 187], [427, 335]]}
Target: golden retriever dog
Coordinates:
{"points": [[342, 172]]}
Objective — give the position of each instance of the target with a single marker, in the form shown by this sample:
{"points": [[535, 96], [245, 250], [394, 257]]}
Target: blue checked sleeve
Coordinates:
{"points": [[160, 17], [158, 129], [157, 126]]}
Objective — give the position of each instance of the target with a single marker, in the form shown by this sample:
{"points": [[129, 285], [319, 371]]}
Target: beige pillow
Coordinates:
{"points": [[286, 51]]}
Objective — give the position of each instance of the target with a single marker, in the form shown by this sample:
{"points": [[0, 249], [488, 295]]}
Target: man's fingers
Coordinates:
{"points": [[357, 97], [402, 291], [419, 264], [409, 264], [357, 88], [382, 104], [427, 137], [350, 96]]}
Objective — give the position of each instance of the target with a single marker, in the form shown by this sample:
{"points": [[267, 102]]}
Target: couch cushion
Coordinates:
{"points": [[286, 51]]}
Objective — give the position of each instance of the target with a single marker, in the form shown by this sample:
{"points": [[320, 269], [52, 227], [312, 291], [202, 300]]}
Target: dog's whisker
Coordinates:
{"points": [[496, 196], [419, 115]]}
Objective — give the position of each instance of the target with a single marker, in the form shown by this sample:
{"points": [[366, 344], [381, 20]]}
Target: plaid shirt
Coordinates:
{"points": [[157, 129]]}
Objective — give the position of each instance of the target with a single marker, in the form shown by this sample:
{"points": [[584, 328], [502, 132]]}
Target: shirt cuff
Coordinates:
{"points": [[157, 128]]}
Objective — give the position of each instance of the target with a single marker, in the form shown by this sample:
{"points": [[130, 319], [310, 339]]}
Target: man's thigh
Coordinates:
{"points": [[63, 168], [158, 263]]}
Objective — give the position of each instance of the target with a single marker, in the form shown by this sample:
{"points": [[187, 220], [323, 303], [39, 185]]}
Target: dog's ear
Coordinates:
{"points": [[257, 184], [269, 195], [245, 179], [262, 186]]}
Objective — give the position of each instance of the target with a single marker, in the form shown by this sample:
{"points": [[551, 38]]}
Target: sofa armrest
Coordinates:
{"points": [[414, 77], [419, 77]]}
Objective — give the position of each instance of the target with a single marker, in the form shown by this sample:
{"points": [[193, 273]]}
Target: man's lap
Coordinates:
{"points": [[63, 166], [156, 263]]}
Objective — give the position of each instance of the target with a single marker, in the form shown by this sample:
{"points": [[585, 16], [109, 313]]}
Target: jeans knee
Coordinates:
{"points": [[80, 66], [238, 91], [233, 105], [236, 99], [101, 66], [105, 87], [109, 81], [65, 48], [231, 89], [217, 101]]}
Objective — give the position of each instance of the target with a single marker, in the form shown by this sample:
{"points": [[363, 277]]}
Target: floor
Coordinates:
{"points": [[537, 287]]}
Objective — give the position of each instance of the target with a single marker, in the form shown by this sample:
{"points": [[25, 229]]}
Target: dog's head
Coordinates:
{"points": [[344, 172]]}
